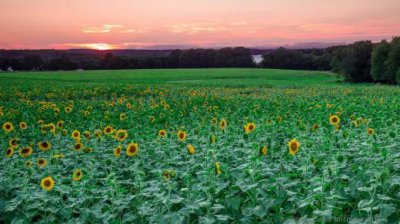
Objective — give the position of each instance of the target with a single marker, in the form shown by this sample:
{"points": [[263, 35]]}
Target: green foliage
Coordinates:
{"points": [[378, 59], [353, 61], [340, 174]]}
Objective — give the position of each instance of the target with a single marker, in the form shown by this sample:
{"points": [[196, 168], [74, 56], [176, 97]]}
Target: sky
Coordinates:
{"points": [[161, 24]]}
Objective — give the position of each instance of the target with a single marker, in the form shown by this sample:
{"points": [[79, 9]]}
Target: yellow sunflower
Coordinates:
{"points": [[294, 146], [370, 131], [122, 116], [132, 149], [60, 124], [315, 127], [14, 142], [28, 163], [214, 121], [217, 168], [222, 124], [162, 133], [78, 146], [77, 175], [118, 151], [213, 139], [75, 134], [108, 130], [68, 109], [181, 135], [8, 126], [191, 149], [334, 120], [23, 125], [41, 162], [263, 150], [9, 152], [121, 135], [51, 127], [26, 152], [44, 146], [47, 183], [251, 127]]}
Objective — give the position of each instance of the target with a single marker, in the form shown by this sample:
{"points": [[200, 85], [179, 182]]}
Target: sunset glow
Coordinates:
{"points": [[154, 24]]}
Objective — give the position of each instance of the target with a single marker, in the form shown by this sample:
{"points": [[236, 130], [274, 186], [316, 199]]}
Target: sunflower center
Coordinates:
{"points": [[45, 144], [132, 149], [334, 120], [47, 183], [293, 146], [181, 135], [8, 126]]}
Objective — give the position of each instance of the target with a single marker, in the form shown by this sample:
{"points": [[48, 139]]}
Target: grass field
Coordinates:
{"points": [[197, 146], [192, 77]]}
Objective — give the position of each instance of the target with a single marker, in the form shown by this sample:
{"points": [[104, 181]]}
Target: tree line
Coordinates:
{"points": [[364, 61], [237, 57]]}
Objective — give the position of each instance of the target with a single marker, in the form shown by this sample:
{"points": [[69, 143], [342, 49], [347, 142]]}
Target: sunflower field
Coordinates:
{"points": [[75, 152]]}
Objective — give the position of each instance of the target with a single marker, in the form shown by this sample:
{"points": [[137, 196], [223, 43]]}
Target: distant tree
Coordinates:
{"points": [[62, 63], [354, 61], [234, 57], [378, 59], [392, 63], [33, 62]]}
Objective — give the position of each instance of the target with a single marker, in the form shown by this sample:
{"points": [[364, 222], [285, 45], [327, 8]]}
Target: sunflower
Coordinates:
{"points": [[23, 125], [68, 109], [370, 131], [294, 146], [60, 124], [51, 127], [263, 150], [122, 116], [162, 133], [214, 121], [213, 139], [181, 135], [41, 162], [75, 134], [13, 143], [217, 168], [98, 133], [222, 124], [250, 127], [64, 132], [28, 163], [78, 146], [26, 152], [315, 127], [87, 134], [8, 126], [88, 150], [166, 174], [86, 113], [44, 146], [118, 151], [77, 175], [191, 149], [334, 120], [121, 135], [128, 105], [47, 183], [9, 152], [108, 130], [132, 149]]}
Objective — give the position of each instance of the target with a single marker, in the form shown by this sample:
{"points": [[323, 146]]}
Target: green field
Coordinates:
{"points": [[192, 77], [197, 146]]}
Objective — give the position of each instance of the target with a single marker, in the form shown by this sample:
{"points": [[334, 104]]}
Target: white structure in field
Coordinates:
{"points": [[257, 58]]}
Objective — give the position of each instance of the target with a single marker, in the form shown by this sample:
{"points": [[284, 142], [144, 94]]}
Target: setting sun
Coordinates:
{"points": [[97, 46]]}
